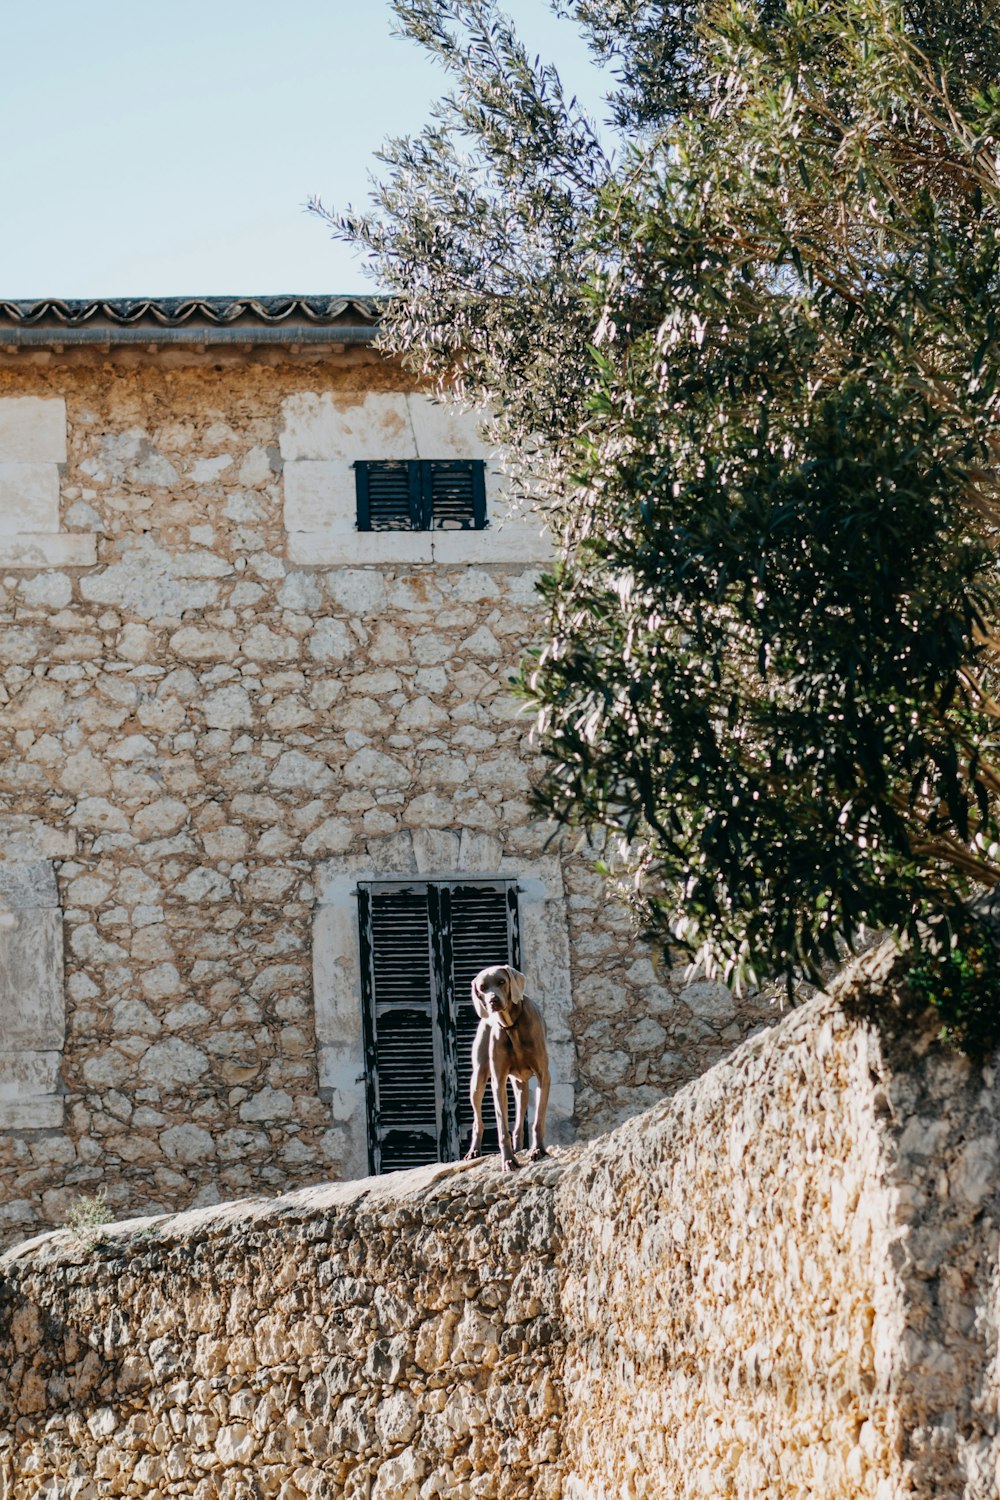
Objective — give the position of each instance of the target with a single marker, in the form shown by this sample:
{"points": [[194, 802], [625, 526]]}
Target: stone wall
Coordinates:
{"points": [[194, 728], [781, 1281], [377, 1341]]}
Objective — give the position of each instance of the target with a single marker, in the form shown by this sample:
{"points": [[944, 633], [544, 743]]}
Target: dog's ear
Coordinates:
{"points": [[478, 1002], [517, 981]]}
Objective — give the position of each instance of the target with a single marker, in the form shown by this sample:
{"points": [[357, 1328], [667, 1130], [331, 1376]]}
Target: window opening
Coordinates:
{"points": [[421, 494], [421, 945]]}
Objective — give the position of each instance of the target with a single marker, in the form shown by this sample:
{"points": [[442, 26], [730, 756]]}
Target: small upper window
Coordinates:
{"points": [[421, 494]]}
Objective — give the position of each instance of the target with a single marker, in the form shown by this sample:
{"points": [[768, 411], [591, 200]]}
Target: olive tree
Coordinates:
{"points": [[748, 354]]}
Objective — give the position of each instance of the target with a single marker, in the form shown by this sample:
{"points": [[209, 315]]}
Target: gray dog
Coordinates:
{"points": [[509, 1043]]}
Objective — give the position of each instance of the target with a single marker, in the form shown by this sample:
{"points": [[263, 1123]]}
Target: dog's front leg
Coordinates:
{"points": [[498, 1077], [477, 1087], [538, 1126]]}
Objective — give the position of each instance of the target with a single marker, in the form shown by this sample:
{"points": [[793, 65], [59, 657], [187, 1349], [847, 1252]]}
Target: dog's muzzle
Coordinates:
{"points": [[500, 1010]]}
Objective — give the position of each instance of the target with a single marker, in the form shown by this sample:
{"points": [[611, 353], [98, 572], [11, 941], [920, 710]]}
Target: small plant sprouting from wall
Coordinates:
{"points": [[956, 970], [88, 1215]]}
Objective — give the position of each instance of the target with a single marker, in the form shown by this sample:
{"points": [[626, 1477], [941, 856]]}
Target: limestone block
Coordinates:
{"points": [[480, 851], [161, 982], [397, 1419], [187, 1143], [646, 1036], [208, 470], [103, 1422], [144, 583], [370, 768], [512, 543], [268, 1104], [445, 430], [302, 593], [32, 430], [351, 549], [28, 1072], [98, 813], [711, 999], [32, 1002], [319, 496], [27, 838], [332, 426], [203, 645], [357, 591], [204, 884], [29, 498], [27, 883], [560, 1112], [256, 468], [399, 1478], [37, 550], [160, 819], [228, 708], [31, 1112], [294, 771], [436, 850], [262, 644], [47, 591], [333, 836], [974, 1175], [172, 1062], [200, 564], [330, 641]]}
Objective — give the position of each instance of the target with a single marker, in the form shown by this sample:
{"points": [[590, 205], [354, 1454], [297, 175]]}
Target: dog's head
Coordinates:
{"points": [[498, 992]]}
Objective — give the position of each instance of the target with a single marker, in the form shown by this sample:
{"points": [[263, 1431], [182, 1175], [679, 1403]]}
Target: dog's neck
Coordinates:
{"points": [[497, 1019]]}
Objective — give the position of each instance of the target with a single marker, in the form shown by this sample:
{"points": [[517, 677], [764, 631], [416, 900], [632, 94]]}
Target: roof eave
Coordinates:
{"points": [[248, 336]]}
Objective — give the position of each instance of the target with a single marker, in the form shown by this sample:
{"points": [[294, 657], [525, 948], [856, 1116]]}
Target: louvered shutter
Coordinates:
{"points": [[421, 945], [389, 496], [421, 494], [402, 1030], [457, 494]]}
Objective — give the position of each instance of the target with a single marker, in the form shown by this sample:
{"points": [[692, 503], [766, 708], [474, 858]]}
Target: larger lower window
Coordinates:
{"points": [[421, 494], [421, 944]]}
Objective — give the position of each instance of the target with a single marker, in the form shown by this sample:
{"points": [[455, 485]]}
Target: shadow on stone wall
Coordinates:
{"points": [[781, 1280]]}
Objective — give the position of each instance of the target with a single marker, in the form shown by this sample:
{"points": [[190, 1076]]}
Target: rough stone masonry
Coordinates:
{"points": [[220, 707], [780, 1282]]}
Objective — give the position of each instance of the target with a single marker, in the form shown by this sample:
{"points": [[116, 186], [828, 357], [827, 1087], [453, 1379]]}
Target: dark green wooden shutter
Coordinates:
{"points": [[402, 1031], [421, 494], [457, 494], [388, 496], [421, 945]]}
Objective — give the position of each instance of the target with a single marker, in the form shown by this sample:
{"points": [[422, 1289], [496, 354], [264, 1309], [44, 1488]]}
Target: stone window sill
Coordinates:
{"points": [[325, 549]]}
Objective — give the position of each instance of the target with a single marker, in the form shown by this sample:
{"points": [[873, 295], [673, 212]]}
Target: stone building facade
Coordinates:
{"points": [[225, 715]]}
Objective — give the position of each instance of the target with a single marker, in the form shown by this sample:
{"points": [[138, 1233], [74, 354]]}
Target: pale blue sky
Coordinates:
{"points": [[168, 148]]}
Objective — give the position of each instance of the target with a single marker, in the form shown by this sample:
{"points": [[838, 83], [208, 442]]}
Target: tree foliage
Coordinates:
{"points": [[477, 229], [750, 355]]}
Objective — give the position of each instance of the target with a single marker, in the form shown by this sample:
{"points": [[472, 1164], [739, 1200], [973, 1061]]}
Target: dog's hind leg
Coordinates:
{"points": [[538, 1126], [520, 1087]]}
